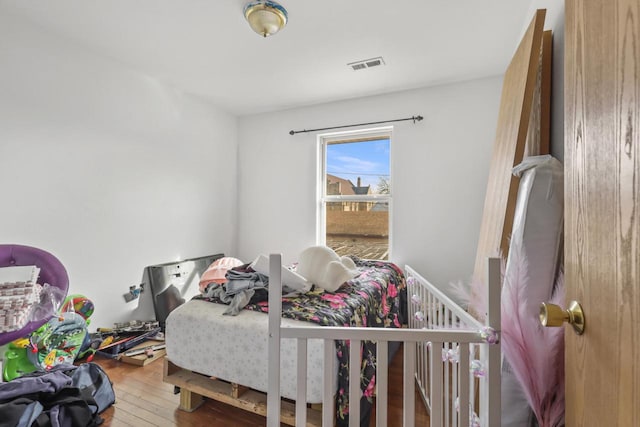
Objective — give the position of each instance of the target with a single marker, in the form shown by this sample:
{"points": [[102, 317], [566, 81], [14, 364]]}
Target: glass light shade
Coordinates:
{"points": [[265, 17]]}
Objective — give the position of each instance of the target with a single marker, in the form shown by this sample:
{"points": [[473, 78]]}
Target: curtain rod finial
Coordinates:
{"points": [[291, 132]]}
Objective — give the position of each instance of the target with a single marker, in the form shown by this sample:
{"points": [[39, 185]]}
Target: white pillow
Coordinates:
{"points": [[290, 279], [321, 266]]}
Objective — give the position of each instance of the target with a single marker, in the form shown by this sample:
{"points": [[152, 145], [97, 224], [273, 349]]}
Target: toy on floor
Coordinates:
{"points": [[61, 340], [16, 361], [79, 304]]}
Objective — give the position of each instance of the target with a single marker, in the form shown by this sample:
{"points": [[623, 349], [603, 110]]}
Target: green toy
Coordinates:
{"points": [[57, 341], [16, 361], [79, 304], [61, 340]]}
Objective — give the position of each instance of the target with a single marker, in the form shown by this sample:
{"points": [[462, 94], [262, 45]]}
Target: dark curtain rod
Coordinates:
{"points": [[414, 118]]}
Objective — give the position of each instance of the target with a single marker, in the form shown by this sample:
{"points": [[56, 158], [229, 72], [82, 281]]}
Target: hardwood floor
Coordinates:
{"points": [[143, 399]]}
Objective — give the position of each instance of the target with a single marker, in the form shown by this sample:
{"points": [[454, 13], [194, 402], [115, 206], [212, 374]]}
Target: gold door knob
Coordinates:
{"points": [[552, 315]]}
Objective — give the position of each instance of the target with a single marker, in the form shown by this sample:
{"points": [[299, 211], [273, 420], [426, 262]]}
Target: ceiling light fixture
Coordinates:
{"points": [[265, 17]]}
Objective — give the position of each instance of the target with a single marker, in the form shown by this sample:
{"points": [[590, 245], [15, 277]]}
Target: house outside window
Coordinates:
{"points": [[354, 184]]}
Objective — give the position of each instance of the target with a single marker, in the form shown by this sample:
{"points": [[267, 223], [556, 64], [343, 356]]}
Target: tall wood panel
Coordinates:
{"points": [[602, 210], [540, 118], [516, 101]]}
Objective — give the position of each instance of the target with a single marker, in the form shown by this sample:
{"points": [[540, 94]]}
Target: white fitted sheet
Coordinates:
{"points": [[234, 348]]}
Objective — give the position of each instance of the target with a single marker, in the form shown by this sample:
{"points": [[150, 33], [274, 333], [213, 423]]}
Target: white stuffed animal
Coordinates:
{"points": [[321, 266]]}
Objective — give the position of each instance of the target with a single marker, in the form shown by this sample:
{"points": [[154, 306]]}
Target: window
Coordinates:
{"points": [[355, 193]]}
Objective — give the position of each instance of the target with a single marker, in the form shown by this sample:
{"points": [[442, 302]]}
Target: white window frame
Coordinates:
{"points": [[323, 198]]}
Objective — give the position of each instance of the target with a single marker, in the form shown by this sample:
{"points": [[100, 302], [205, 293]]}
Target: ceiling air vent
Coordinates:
{"points": [[367, 63]]}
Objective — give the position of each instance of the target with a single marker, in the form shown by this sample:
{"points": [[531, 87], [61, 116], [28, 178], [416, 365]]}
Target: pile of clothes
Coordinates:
{"points": [[243, 285], [231, 282]]}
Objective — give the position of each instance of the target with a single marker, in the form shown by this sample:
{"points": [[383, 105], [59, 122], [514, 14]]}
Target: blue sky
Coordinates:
{"points": [[368, 160]]}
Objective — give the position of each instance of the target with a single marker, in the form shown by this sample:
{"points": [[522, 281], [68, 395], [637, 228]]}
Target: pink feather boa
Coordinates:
{"points": [[535, 353]]}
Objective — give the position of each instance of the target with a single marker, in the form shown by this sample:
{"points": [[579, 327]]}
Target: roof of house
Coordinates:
{"points": [[346, 186]]}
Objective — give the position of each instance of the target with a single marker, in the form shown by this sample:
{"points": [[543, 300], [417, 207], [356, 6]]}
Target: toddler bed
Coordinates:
{"points": [[234, 349]]}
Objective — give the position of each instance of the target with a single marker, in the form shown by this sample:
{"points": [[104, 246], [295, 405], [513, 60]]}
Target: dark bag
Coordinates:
{"points": [[68, 407], [45, 399], [92, 380]]}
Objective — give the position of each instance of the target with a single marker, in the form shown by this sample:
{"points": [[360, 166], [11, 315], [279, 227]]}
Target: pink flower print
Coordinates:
{"points": [[370, 388], [335, 301], [392, 291], [385, 307]]}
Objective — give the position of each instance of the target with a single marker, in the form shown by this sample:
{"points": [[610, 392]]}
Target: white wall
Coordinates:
{"points": [[107, 168], [439, 166]]}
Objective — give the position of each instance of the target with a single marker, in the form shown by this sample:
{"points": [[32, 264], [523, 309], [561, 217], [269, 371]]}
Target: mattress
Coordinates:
{"points": [[536, 241], [235, 348]]}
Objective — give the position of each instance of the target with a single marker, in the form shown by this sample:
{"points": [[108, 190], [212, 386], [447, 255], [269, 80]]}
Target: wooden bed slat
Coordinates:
{"points": [[198, 386], [408, 408], [354, 386], [301, 395], [382, 379], [273, 374], [328, 381], [237, 390]]}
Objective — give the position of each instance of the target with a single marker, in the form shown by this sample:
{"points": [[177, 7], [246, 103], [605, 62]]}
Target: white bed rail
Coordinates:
{"points": [[446, 385], [430, 308]]}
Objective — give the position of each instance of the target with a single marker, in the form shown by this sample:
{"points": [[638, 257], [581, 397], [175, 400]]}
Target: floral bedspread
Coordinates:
{"points": [[371, 299]]}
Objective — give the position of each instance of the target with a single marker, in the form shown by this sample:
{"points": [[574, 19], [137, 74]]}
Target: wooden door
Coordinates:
{"points": [[602, 186]]}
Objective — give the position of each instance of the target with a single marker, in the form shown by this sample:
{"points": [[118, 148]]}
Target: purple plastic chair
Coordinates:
{"points": [[51, 271]]}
